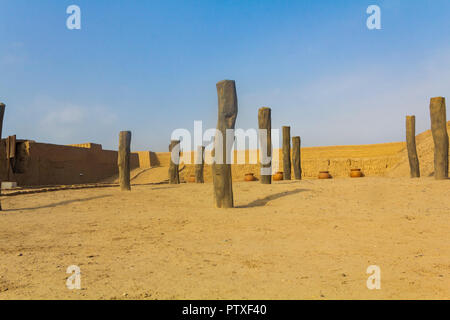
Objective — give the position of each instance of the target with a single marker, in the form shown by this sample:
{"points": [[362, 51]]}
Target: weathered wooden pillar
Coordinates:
{"points": [[2, 114], [265, 141], [199, 165], [10, 154], [411, 146], [174, 175], [296, 157], [124, 160], [440, 137], [287, 153], [221, 170]]}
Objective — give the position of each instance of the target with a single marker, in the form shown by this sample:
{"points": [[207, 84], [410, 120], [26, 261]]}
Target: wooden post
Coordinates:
{"points": [[265, 123], [2, 114], [10, 154], [296, 157], [411, 146], [440, 137], [124, 160], [174, 175], [287, 153], [199, 165], [221, 170]]}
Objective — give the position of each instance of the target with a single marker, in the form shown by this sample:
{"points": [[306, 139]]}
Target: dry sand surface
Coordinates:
{"points": [[291, 240]]}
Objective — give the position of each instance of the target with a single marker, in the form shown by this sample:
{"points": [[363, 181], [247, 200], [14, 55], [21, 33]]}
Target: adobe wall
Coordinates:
{"points": [[49, 164], [374, 160], [338, 168]]}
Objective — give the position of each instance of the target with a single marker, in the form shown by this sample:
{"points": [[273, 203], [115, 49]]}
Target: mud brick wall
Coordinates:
{"points": [[374, 160], [49, 164]]}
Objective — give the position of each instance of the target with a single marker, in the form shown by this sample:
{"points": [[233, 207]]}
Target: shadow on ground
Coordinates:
{"points": [[262, 202], [62, 203]]}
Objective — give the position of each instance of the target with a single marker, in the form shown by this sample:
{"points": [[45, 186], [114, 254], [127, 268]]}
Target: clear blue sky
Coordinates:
{"points": [[151, 67]]}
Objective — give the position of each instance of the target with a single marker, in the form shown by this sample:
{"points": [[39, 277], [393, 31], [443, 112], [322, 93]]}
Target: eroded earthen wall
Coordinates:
{"points": [[373, 160], [49, 164]]}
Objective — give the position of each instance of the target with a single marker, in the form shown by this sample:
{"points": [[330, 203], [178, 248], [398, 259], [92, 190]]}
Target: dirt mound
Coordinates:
{"points": [[425, 151]]}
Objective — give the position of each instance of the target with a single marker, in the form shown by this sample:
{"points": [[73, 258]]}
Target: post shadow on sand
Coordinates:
{"points": [[262, 202], [61, 203]]}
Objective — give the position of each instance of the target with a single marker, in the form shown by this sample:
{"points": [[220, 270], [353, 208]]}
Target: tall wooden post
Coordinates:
{"points": [[221, 170], [124, 160], [411, 146], [199, 165], [10, 154], [174, 175], [287, 153], [265, 123], [2, 114], [440, 137], [296, 157]]}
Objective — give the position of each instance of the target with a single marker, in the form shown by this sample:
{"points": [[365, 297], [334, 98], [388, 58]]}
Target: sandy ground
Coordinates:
{"points": [[291, 240]]}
